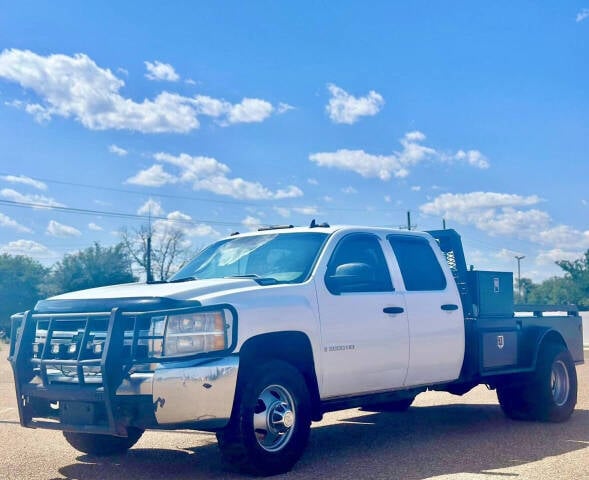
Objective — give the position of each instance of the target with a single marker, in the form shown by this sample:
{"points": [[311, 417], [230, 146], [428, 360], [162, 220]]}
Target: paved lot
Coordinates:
{"points": [[441, 437]]}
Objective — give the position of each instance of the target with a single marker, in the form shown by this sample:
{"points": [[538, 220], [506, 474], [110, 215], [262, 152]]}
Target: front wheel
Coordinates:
{"points": [[270, 425], [103, 445]]}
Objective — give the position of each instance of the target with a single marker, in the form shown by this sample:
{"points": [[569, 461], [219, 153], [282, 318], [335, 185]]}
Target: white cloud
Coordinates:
{"points": [[345, 108], [243, 189], [512, 222], [251, 223], [250, 110], [363, 163], [283, 108], [193, 168], [416, 188], [56, 229], [6, 221], [309, 210], [494, 213], [75, 87], [388, 199], [312, 181], [454, 205], [206, 173], [151, 207], [283, 212], [582, 15], [182, 221], [28, 248], [121, 152], [509, 215], [161, 71], [548, 257], [397, 164], [291, 191], [95, 227], [25, 181], [472, 157], [154, 176], [39, 201], [349, 190], [564, 235]]}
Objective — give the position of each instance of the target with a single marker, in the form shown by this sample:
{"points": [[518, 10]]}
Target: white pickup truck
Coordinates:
{"points": [[263, 332]]}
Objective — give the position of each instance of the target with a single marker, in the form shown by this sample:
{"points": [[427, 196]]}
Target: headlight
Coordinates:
{"points": [[190, 333]]}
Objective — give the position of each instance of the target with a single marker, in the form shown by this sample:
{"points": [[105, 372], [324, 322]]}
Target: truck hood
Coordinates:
{"points": [[141, 296], [181, 291]]}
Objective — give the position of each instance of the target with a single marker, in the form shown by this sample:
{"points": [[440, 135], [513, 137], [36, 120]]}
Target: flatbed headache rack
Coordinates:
{"points": [[451, 245]]}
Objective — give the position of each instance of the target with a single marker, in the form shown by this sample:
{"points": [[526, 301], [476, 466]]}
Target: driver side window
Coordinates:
{"points": [[358, 265]]}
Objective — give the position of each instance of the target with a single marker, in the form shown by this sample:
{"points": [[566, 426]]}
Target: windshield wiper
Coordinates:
{"points": [[256, 278], [183, 279]]}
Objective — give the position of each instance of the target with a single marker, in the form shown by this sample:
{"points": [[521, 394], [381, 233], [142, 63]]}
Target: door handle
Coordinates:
{"points": [[393, 309], [449, 307]]}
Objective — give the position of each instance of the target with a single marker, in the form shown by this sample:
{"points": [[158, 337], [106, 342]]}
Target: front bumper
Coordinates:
{"points": [[115, 391], [198, 397]]}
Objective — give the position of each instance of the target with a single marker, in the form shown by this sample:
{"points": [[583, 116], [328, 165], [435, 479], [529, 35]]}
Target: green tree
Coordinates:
{"points": [[555, 290], [577, 272], [95, 266], [21, 285]]}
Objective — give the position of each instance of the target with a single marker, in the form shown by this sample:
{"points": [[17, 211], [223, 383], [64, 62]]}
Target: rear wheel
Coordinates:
{"points": [[270, 425], [513, 402], [549, 394], [103, 445]]}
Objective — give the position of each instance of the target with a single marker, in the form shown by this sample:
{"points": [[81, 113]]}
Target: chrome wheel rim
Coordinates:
{"points": [[559, 383], [274, 418]]}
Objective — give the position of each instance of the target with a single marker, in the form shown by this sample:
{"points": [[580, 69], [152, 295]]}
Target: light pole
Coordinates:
{"points": [[519, 258]]}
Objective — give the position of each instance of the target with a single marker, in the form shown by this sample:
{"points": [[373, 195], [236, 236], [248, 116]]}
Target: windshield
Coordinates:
{"points": [[280, 257]]}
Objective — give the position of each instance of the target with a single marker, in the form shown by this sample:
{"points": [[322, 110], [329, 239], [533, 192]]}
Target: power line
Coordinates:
{"points": [[85, 211], [181, 197]]}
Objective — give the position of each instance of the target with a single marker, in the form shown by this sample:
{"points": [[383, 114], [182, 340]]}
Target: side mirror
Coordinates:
{"points": [[350, 277]]}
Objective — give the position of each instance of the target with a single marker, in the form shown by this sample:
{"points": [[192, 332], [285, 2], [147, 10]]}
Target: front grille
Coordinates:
{"points": [[68, 348]]}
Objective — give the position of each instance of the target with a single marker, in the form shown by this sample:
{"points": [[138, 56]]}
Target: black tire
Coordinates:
{"points": [[513, 400], [555, 385], [547, 395], [271, 421], [103, 445]]}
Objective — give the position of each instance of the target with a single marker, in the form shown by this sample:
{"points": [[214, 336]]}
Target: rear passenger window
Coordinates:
{"points": [[419, 266]]}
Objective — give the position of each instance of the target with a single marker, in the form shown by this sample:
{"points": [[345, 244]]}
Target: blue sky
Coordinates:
{"points": [[223, 116]]}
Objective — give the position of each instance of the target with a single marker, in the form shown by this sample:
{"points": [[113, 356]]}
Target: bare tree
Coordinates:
{"points": [[169, 248]]}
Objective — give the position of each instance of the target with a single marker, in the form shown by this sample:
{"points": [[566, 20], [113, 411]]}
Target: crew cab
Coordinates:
{"points": [[264, 332]]}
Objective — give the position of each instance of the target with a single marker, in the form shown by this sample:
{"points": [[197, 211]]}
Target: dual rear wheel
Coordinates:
{"points": [[549, 394]]}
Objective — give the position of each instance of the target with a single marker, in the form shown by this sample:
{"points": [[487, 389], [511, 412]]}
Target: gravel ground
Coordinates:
{"points": [[440, 437]]}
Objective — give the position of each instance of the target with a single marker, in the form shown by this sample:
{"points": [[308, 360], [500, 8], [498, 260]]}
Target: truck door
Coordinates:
{"points": [[365, 339], [436, 320]]}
